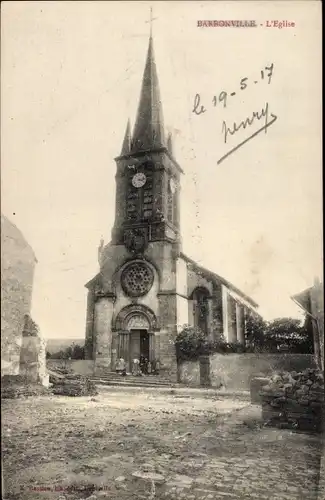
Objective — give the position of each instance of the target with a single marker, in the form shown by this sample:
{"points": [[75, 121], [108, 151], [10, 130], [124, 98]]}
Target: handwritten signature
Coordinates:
{"points": [[247, 122], [223, 99]]}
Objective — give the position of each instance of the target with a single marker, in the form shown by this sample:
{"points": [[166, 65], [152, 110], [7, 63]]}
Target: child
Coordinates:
{"points": [[121, 367], [136, 368]]}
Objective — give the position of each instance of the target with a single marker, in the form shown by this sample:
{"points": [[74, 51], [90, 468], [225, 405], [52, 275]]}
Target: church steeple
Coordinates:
{"points": [[147, 206], [148, 131], [126, 146]]}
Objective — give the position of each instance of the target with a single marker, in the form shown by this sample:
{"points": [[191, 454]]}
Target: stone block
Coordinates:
{"points": [[149, 476], [257, 385], [181, 481]]}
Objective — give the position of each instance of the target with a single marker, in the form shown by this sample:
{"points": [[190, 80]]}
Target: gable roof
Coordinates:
{"points": [[215, 277], [96, 280]]}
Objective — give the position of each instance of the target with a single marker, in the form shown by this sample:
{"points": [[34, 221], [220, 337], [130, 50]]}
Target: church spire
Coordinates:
{"points": [[126, 146], [149, 126]]}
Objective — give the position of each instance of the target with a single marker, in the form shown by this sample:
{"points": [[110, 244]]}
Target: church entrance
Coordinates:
{"points": [[136, 341], [136, 344], [144, 344], [139, 344]]}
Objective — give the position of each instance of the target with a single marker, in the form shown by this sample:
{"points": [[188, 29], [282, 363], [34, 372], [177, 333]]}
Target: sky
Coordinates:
{"points": [[71, 77]]}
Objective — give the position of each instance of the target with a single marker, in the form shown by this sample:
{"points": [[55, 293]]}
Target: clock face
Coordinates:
{"points": [[139, 180], [172, 185]]}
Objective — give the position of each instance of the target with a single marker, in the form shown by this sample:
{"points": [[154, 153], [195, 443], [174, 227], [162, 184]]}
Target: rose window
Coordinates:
{"points": [[137, 279]]}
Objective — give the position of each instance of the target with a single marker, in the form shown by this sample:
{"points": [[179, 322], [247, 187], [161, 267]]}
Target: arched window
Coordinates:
{"points": [[170, 205], [201, 309]]}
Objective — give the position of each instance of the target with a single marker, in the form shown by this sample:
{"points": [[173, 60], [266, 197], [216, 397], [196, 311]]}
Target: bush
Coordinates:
{"points": [[75, 351], [255, 331], [88, 349], [78, 352], [281, 334], [223, 347], [290, 335], [190, 343]]}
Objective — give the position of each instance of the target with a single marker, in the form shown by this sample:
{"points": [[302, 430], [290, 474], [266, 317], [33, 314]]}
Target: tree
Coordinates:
{"points": [[63, 354], [74, 351], [284, 328], [77, 352], [88, 349], [288, 333], [255, 330]]}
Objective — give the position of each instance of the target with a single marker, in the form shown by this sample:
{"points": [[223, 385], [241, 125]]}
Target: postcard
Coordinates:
{"points": [[162, 257]]}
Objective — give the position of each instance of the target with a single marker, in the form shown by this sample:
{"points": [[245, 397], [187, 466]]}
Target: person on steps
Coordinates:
{"points": [[121, 367]]}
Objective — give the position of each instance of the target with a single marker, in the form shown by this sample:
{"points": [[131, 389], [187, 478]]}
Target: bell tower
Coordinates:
{"points": [[141, 274], [147, 177]]}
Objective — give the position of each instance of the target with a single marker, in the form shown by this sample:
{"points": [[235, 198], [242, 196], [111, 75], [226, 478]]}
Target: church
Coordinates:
{"points": [[147, 289]]}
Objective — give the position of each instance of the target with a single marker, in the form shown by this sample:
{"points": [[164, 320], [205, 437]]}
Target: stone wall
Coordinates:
{"points": [[189, 373], [32, 362], [235, 371], [294, 400], [17, 273], [28, 367]]}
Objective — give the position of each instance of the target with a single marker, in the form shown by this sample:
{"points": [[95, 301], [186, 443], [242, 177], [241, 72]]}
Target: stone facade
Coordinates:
{"points": [[23, 350], [17, 274], [147, 288], [32, 362]]}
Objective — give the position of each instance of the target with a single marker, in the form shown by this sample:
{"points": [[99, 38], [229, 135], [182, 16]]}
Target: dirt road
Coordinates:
{"points": [[127, 444]]}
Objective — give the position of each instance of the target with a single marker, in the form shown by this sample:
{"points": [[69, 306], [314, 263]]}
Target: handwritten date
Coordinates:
{"points": [[222, 98]]}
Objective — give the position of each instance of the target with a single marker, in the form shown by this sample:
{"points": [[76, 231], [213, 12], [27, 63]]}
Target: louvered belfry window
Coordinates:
{"points": [[170, 205]]}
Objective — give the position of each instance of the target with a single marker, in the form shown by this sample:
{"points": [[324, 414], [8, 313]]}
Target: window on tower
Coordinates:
{"points": [[170, 204], [132, 202], [147, 204]]}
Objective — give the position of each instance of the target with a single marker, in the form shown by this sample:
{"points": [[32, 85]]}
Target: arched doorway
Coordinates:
{"points": [[139, 337], [135, 327]]}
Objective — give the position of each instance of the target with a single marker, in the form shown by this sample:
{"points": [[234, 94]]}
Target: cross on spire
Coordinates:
{"points": [[151, 19], [148, 132]]}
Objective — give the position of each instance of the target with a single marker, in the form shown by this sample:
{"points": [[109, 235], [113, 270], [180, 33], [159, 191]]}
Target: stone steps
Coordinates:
{"points": [[130, 380]]}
